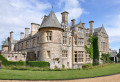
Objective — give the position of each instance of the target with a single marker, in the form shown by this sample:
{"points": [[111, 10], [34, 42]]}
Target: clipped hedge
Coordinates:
{"points": [[38, 64], [22, 63], [6, 62]]}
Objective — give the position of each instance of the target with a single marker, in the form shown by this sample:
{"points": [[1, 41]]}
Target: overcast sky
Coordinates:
{"points": [[15, 15]]}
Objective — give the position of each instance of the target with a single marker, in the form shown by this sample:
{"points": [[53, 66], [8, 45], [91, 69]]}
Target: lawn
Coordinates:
{"points": [[52, 75]]}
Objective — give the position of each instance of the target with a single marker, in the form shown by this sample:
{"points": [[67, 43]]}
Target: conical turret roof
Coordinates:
{"points": [[51, 21]]}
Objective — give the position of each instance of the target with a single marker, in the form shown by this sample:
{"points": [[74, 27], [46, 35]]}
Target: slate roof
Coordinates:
{"points": [[97, 29], [5, 42], [51, 21]]}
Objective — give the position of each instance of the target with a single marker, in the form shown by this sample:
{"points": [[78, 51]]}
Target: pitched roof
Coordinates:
{"points": [[51, 21], [5, 42], [97, 29]]}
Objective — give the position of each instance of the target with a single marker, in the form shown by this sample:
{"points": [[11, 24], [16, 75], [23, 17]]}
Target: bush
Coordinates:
{"points": [[38, 64], [86, 66], [6, 62], [106, 58]]}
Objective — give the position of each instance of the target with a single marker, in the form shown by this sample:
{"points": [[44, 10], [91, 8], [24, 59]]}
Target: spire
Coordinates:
{"points": [[51, 21]]}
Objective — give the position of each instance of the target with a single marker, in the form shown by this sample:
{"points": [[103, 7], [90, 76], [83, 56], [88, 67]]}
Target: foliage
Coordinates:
{"points": [[21, 63], [38, 64], [87, 66], [63, 66], [90, 49], [106, 58], [6, 62], [95, 51]]}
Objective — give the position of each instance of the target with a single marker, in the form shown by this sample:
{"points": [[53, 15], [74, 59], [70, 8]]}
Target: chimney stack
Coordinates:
{"points": [[65, 17], [34, 28], [91, 27], [11, 36], [83, 24], [73, 22], [21, 35], [26, 32]]}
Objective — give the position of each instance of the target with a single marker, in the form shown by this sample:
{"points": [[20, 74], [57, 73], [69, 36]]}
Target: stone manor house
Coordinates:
{"points": [[58, 43]]}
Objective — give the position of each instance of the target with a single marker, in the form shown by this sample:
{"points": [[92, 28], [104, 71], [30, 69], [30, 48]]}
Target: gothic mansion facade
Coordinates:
{"points": [[59, 44]]}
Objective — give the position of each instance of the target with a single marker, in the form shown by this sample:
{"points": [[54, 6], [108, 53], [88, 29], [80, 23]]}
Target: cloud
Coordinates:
{"points": [[72, 6], [15, 15], [113, 28]]}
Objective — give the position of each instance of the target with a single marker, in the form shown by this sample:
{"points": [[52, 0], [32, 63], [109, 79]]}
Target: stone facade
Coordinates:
{"points": [[59, 44]]}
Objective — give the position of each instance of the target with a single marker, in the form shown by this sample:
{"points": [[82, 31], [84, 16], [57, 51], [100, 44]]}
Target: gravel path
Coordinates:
{"points": [[112, 78]]}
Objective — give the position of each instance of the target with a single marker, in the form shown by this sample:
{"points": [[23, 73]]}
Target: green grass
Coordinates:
{"points": [[52, 75]]}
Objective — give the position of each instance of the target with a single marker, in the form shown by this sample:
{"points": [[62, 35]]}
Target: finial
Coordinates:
{"points": [[102, 25], [52, 7]]}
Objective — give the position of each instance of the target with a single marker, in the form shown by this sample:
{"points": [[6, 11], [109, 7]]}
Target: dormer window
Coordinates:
{"points": [[79, 29], [49, 36]]}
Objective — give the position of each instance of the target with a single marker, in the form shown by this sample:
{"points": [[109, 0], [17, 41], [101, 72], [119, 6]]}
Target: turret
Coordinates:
{"points": [[65, 17]]}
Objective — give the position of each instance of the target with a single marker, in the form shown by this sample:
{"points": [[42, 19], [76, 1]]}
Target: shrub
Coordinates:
{"points": [[38, 64], [6, 62], [86, 66], [63, 66], [106, 58]]}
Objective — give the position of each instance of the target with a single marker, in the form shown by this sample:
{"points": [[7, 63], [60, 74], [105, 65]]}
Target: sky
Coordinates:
{"points": [[15, 15]]}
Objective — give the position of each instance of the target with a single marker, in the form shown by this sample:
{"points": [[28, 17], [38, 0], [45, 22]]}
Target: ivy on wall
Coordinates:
{"points": [[90, 49], [93, 49]]}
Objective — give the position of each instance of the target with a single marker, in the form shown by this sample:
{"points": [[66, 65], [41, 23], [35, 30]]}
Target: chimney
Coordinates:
{"points": [[11, 36], [65, 17], [21, 35], [34, 28], [45, 17], [73, 22], [91, 27], [83, 24], [26, 32]]}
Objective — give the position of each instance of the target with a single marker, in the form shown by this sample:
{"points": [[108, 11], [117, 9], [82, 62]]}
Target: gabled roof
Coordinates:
{"points": [[97, 29], [5, 42], [51, 21]]}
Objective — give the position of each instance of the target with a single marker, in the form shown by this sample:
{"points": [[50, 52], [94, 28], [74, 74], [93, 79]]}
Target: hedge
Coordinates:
{"points": [[6, 62], [22, 63], [38, 64]]}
